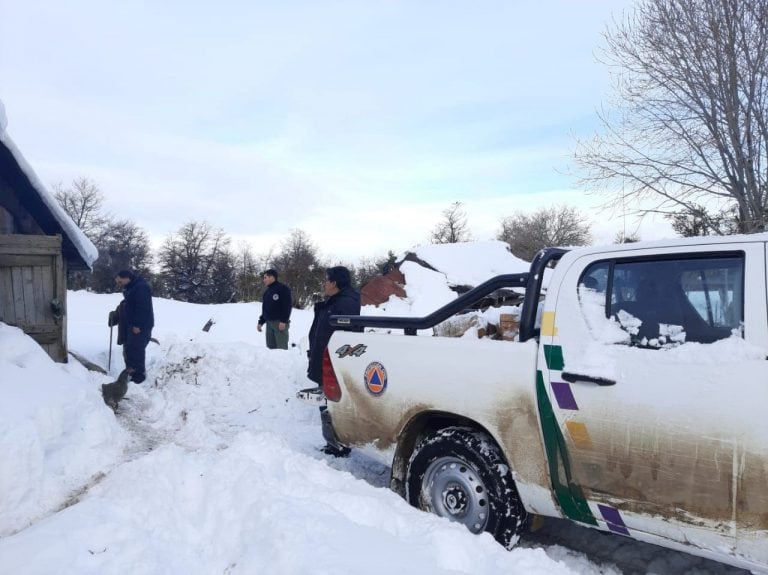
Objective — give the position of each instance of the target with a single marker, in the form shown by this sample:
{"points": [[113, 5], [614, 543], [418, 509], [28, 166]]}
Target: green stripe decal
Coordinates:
{"points": [[568, 494], [554, 356]]}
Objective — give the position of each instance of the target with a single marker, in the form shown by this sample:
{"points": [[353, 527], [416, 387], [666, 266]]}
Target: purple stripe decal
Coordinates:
{"points": [[564, 396], [613, 519]]}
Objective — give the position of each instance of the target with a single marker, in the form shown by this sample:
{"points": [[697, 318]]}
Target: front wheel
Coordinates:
{"points": [[459, 473]]}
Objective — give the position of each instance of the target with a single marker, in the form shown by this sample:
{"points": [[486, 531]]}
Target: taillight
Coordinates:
{"points": [[331, 387]]}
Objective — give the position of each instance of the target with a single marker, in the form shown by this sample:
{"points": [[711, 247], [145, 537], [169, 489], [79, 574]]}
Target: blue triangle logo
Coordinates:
{"points": [[375, 379]]}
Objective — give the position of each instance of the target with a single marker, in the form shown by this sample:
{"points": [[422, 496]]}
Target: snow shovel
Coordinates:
{"points": [[109, 361]]}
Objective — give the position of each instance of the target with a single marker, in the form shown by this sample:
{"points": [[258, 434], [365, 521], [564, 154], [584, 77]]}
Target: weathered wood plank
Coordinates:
{"points": [[7, 260], [37, 274], [29, 244], [32, 300], [41, 328], [18, 296], [7, 309], [47, 287], [43, 334], [60, 273]]}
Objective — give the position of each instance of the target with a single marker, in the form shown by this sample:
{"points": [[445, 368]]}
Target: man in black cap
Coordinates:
{"points": [[341, 299], [276, 308], [136, 318]]}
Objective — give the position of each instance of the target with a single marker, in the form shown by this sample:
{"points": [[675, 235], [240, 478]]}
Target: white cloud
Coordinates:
{"points": [[356, 122]]}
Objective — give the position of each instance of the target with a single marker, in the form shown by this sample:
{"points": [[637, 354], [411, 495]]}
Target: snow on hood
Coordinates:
{"points": [[471, 263], [84, 246]]}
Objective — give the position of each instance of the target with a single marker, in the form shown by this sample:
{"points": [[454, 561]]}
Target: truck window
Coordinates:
{"points": [[665, 302]]}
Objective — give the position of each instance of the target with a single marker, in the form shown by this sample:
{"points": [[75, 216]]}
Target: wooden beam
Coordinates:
{"points": [[16, 244], [25, 260]]}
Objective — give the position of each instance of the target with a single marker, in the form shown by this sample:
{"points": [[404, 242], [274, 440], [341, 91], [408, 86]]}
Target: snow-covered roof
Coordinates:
{"points": [[36, 198], [470, 263]]}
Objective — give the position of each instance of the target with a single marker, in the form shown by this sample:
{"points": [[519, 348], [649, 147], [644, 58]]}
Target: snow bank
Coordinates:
{"points": [[223, 474], [254, 507], [232, 323], [55, 435], [471, 263]]}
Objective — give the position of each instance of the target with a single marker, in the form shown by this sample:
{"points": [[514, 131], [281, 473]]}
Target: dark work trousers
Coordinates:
{"points": [[134, 353], [276, 339]]}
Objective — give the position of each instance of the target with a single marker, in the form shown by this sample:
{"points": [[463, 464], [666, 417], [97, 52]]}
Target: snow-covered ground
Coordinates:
{"points": [[212, 466]]}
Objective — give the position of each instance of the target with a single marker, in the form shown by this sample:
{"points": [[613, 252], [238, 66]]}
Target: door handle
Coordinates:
{"points": [[578, 378]]}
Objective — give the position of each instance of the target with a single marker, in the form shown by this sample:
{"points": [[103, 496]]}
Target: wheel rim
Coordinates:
{"points": [[453, 489]]}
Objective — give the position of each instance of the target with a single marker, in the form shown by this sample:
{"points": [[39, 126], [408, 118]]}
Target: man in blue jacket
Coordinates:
{"points": [[136, 320], [276, 308]]}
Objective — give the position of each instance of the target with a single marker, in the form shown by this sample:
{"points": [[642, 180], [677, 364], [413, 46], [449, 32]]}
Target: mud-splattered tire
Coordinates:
{"points": [[459, 473]]}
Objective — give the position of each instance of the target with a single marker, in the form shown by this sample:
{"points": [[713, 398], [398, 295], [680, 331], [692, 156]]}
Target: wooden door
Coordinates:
{"points": [[33, 289]]}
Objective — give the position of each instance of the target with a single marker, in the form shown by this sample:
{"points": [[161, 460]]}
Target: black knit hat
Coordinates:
{"points": [[126, 274], [339, 275]]}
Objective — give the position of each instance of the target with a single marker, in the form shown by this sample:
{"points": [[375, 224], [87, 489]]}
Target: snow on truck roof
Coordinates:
{"points": [[470, 263], [669, 243], [77, 247]]}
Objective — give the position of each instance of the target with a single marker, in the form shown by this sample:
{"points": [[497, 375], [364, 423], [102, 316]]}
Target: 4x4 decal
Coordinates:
{"points": [[347, 350]]}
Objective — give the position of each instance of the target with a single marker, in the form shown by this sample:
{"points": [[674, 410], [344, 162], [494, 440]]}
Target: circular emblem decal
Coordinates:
{"points": [[375, 378], [276, 297]]}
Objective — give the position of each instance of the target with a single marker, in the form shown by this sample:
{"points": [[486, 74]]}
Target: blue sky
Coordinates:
{"points": [[358, 122]]}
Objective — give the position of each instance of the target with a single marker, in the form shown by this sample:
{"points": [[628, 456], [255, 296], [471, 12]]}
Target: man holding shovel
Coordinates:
{"points": [[135, 319]]}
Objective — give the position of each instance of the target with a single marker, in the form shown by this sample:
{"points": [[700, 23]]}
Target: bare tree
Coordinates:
{"points": [[248, 274], [526, 234], [122, 245], [691, 80], [84, 203], [452, 229], [369, 268], [298, 264], [699, 221], [197, 266], [625, 238]]}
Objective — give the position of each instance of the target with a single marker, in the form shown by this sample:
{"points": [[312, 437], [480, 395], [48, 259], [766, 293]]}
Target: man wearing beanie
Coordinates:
{"points": [[341, 299], [276, 308], [135, 318]]}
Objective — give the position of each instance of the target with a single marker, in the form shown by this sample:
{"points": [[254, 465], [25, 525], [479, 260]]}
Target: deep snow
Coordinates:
{"points": [[212, 466]]}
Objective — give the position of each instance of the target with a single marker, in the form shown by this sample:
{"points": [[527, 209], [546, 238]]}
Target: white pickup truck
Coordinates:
{"points": [[634, 403]]}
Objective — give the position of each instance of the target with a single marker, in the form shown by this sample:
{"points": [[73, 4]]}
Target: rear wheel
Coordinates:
{"points": [[459, 473]]}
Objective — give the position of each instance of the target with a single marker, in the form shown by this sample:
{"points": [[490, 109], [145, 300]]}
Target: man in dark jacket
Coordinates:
{"points": [[136, 320], [342, 299], [276, 308]]}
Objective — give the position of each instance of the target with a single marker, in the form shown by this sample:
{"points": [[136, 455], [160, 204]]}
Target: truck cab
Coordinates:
{"points": [[634, 405]]}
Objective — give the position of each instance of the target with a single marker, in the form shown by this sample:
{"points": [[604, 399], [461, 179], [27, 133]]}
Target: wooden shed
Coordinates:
{"points": [[38, 244]]}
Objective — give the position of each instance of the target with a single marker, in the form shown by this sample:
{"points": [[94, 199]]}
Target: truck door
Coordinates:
{"points": [[659, 387]]}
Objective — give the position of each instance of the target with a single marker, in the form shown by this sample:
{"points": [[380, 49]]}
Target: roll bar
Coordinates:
{"points": [[531, 281]]}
